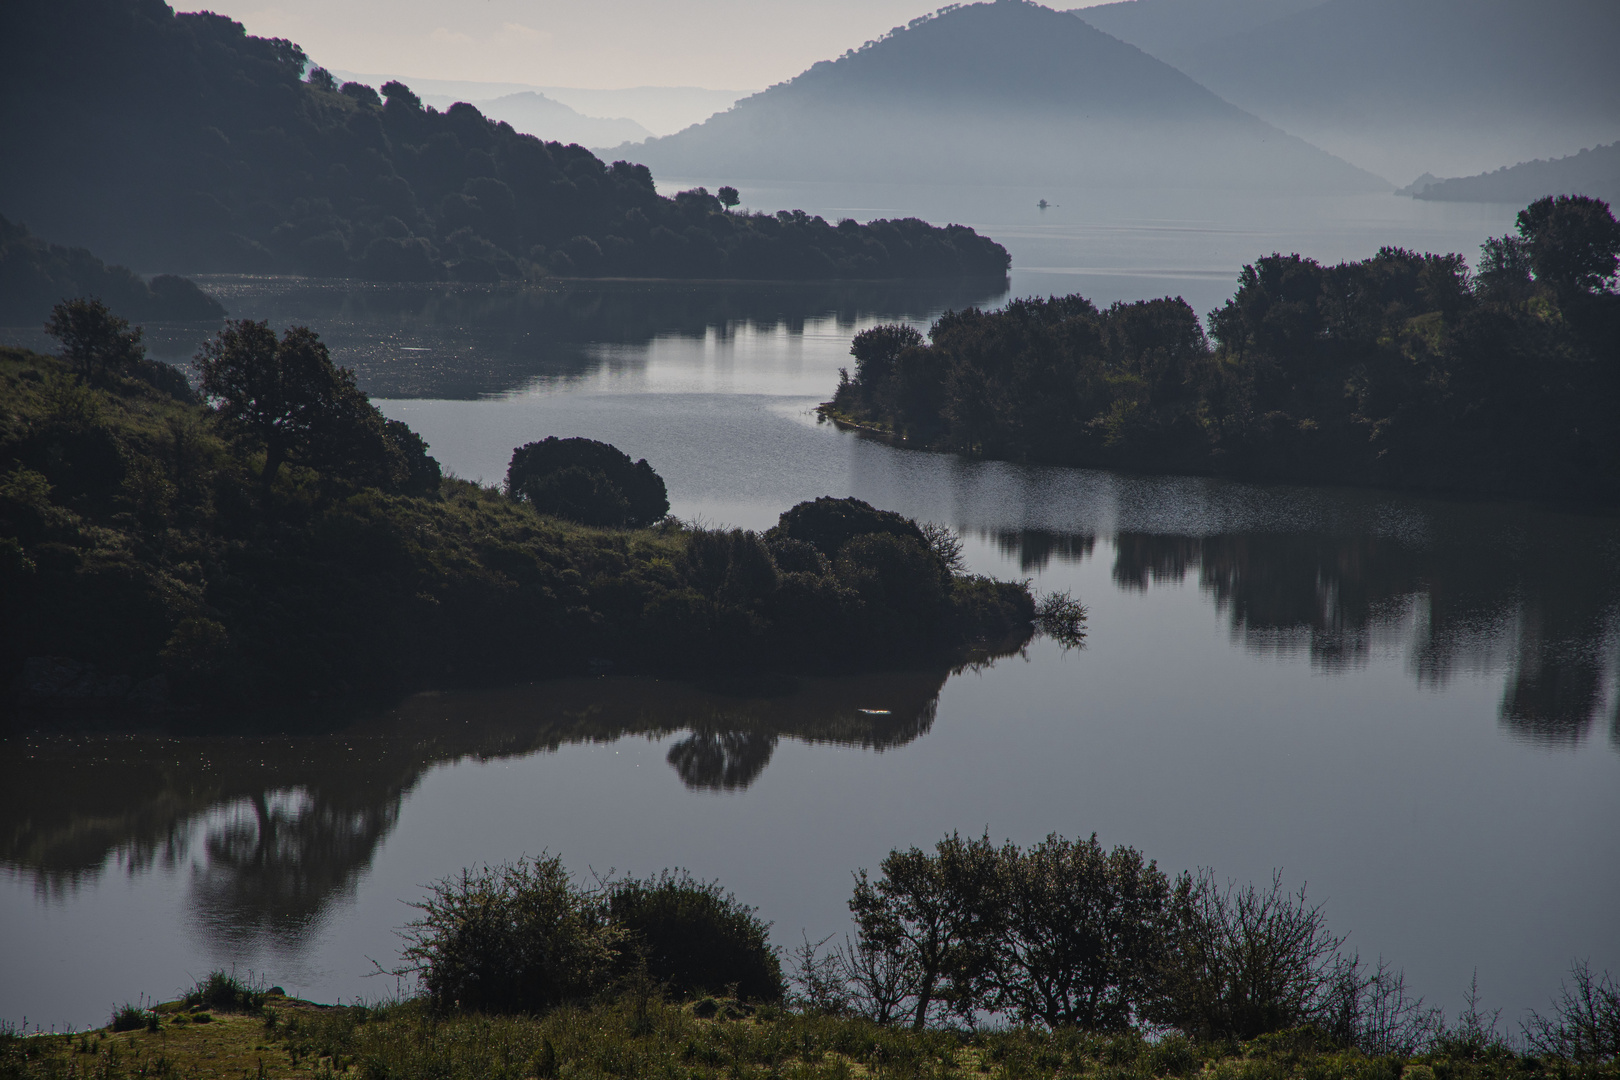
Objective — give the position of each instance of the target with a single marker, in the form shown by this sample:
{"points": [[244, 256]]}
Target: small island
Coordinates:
{"points": [[1405, 370], [275, 539]]}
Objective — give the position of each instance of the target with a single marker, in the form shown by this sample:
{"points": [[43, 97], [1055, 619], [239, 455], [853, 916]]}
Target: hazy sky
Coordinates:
{"points": [[724, 44]]}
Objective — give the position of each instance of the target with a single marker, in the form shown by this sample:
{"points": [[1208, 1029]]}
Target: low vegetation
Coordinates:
{"points": [[1403, 370], [1064, 960], [282, 540]]}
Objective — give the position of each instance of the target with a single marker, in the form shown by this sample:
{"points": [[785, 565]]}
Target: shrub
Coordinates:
{"points": [[1585, 1023], [587, 481], [1245, 961], [226, 993], [695, 937], [128, 1017], [827, 524], [519, 937]]}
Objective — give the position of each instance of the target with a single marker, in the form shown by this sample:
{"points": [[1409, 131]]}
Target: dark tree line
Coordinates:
{"points": [[182, 142], [1402, 370]]}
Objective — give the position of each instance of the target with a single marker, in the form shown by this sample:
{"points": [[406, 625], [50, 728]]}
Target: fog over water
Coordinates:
{"points": [[1408, 703]]}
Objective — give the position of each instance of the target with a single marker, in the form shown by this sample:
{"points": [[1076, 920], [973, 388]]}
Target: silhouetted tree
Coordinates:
{"points": [[729, 197], [95, 342], [933, 915], [290, 399], [587, 481], [321, 79], [1573, 241], [1085, 932]]}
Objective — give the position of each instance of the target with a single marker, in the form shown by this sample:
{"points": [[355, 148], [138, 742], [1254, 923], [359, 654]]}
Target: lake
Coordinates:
{"points": [[1411, 704]]}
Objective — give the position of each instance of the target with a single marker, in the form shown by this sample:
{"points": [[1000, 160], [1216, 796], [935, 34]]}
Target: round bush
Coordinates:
{"points": [[587, 481], [695, 937], [828, 524]]}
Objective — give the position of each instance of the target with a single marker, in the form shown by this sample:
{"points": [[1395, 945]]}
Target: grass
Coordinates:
{"points": [[706, 1040]]}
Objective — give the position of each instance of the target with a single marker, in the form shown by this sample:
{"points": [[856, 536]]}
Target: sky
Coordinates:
{"points": [[598, 44]]}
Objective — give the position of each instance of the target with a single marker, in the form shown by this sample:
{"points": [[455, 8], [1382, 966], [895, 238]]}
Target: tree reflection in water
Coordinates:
{"points": [[1538, 602], [273, 830]]}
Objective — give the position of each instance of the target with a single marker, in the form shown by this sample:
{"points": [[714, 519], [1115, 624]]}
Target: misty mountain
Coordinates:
{"points": [[1404, 86], [1594, 172], [533, 113], [1174, 30], [662, 110], [996, 93], [181, 142]]}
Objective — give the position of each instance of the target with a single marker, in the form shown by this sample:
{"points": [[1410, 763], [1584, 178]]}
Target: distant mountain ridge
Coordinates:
{"points": [[995, 91], [533, 113], [1594, 172], [1400, 86], [1173, 30]]}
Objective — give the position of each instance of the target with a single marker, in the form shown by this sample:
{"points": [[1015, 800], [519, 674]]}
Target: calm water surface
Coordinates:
{"points": [[1410, 704]]}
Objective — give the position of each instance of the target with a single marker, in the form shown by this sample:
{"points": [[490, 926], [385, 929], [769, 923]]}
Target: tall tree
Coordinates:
{"points": [[1573, 241], [95, 342]]}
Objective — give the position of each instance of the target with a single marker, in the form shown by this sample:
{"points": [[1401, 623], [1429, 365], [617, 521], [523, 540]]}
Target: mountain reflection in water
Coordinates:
{"points": [[1540, 603], [274, 830]]}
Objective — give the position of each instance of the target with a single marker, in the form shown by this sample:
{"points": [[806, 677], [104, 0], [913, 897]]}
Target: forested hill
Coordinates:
{"points": [[995, 93], [1404, 86], [1594, 172], [181, 143]]}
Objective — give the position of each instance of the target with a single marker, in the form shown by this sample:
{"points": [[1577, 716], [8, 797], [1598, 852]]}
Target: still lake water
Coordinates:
{"points": [[1411, 704]]}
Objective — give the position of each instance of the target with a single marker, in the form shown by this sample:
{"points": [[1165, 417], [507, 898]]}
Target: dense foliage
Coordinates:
{"points": [[283, 541], [36, 276], [1402, 370], [694, 937], [525, 937], [515, 938], [182, 142], [587, 481]]}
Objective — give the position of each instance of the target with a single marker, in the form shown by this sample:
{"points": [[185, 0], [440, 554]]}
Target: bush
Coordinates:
{"points": [[1245, 961], [587, 481], [516, 938], [1585, 1023], [827, 524], [225, 993], [694, 937], [128, 1017]]}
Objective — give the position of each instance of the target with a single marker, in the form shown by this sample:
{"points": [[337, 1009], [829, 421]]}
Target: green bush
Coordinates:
{"points": [[128, 1017], [694, 937], [587, 481], [226, 993], [516, 938]]}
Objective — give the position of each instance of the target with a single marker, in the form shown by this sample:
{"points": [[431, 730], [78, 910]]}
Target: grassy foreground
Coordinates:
{"points": [[706, 1040]]}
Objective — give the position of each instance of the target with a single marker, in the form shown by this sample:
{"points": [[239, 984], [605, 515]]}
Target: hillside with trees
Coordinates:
{"points": [[180, 143], [1005, 92], [1404, 370], [1594, 172]]}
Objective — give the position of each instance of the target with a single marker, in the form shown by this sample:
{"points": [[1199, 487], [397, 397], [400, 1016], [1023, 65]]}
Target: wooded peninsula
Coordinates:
{"points": [[275, 538], [1405, 370]]}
